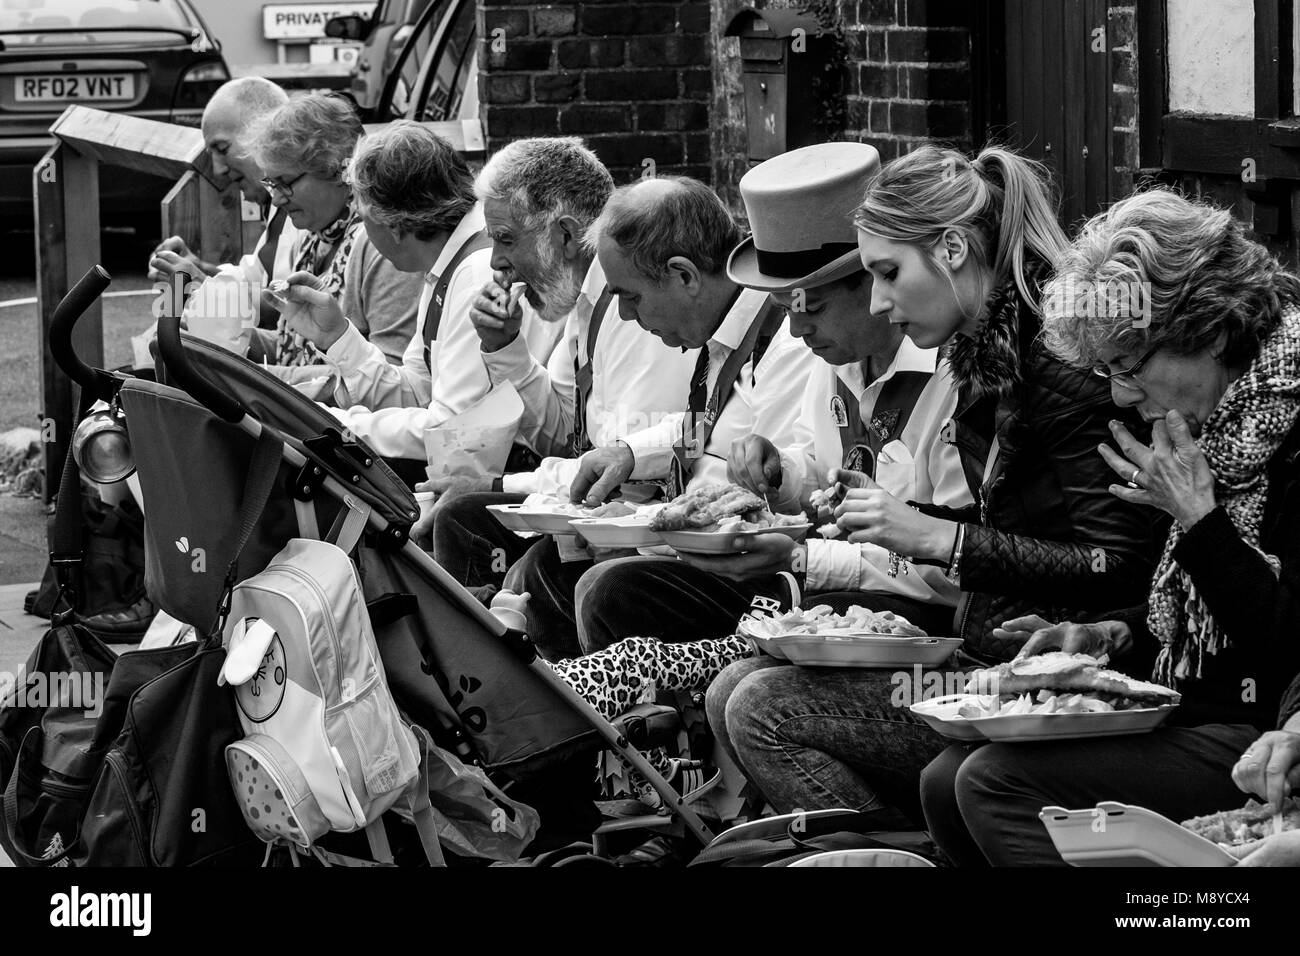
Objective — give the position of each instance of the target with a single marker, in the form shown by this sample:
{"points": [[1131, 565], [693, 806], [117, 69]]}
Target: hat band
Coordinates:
{"points": [[802, 262]]}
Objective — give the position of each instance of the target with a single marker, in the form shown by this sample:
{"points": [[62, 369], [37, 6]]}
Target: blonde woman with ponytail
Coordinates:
{"points": [[957, 250]]}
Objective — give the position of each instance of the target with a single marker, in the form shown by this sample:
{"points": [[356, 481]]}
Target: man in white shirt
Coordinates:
{"points": [[228, 121], [416, 197], [874, 404], [663, 245], [539, 196]]}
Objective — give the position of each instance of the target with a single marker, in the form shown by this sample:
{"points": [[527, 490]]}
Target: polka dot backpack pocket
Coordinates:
{"points": [[327, 749]]}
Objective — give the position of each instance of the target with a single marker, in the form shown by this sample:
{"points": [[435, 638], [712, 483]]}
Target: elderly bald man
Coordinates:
{"points": [[228, 121]]}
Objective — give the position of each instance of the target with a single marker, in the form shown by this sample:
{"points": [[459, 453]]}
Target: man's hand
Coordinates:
{"points": [[765, 555], [755, 465], [1039, 637], [171, 256], [446, 488], [311, 313], [496, 314], [600, 472]]}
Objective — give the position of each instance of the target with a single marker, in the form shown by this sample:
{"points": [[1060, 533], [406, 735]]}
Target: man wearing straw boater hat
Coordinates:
{"points": [[875, 404]]}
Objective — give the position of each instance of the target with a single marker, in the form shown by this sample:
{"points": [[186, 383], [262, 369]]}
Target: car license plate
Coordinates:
{"points": [[74, 88]]}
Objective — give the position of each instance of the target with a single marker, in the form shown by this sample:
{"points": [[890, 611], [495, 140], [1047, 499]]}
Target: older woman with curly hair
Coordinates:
{"points": [[1196, 327], [304, 148]]}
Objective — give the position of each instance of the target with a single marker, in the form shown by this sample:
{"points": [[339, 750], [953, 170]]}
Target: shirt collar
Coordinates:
{"points": [[594, 284], [908, 358], [742, 314], [469, 224]]}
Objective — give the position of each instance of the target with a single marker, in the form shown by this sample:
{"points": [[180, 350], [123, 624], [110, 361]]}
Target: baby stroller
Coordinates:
{"points": [[477, 687]]}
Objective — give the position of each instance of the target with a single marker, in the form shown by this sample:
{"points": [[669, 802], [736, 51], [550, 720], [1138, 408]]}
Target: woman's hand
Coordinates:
{"points": [[764, 555], [1270, 767], [1037, 636], [309, 312], [1172, 475], [1280, 850], [871, 514]]}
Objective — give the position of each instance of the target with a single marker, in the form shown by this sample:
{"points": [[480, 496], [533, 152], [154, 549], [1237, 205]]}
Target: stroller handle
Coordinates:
{"points": [[66, 314], [178, 365]]}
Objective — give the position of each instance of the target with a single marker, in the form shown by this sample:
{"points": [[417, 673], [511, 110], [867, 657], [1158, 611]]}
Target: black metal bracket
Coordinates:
{"points": [[304, 484], [344, 453]]}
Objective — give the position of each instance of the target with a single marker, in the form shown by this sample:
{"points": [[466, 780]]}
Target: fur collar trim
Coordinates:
{"points": [[989, 362]]}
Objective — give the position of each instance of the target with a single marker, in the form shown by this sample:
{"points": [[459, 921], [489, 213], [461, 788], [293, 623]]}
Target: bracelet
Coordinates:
{"points": [[954, 561]]}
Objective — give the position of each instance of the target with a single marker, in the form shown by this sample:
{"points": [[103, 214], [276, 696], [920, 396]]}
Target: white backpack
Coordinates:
{"points": [[326, 748]]}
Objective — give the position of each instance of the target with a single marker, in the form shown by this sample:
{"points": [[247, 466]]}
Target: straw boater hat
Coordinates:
{"points": [[800, 206]]}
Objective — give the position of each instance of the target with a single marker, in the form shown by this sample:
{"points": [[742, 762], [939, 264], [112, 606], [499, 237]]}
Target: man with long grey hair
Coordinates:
{"points": [[415, 195]]}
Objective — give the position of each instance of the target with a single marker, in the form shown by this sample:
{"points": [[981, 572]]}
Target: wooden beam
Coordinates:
{"points": [[1153, 79], [64, 181], [180, 210], [220, 223], [1273, 58], [116, 139], [1221, 145]]}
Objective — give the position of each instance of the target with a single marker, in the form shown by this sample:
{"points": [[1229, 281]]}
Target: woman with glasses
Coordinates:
{"points": [[957, 249], [1212, 360], [304, 148]]}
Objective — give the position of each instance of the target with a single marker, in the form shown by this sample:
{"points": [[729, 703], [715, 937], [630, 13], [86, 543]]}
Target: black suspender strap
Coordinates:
{"points": [[583, 376], [433, 311], [267, 317], [697, 430], [893, 409]]}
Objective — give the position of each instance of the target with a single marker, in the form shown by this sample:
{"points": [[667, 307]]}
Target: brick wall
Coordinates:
{"points": [[909, 73], [908, 78], [631, 78]]}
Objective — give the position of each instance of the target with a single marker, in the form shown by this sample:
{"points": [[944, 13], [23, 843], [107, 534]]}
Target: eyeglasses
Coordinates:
{"points": [[284, 189], [1128, 377]]}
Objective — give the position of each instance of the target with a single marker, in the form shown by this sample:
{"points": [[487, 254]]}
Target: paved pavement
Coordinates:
{"points": [[22, 539]]}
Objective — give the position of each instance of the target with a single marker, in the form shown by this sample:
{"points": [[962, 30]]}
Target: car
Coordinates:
{"points": [[151, 58], [381, 38], [429, 75]]}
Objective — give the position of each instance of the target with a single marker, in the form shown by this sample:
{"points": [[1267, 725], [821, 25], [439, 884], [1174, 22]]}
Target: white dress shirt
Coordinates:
{"points": [[917, 466], [391, 406], [764, 401], [636, 381]]}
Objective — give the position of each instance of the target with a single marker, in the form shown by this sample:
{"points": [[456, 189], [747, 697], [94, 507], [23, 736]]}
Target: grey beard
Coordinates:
{"points": [[559, 292]]}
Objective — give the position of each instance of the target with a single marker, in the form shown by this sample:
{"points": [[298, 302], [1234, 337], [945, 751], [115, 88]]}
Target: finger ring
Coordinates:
{"points": [[1133, 481]]}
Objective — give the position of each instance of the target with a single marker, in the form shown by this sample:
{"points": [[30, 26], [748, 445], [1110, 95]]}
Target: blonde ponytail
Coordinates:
{"points": [[1001, 201]]}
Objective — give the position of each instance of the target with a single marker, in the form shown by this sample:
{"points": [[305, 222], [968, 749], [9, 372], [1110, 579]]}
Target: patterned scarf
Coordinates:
{"points": [[325, 255], [1242, 434]]}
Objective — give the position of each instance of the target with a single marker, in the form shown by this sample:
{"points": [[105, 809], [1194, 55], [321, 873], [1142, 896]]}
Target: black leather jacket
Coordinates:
{"points": [[1046, 536]]}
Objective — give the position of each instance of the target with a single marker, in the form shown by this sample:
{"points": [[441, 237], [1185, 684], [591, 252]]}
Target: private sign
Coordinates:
{"points": [[306, 21]]}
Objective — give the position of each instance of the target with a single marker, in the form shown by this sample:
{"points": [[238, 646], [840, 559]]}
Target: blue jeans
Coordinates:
{"points": [[820, 738]]}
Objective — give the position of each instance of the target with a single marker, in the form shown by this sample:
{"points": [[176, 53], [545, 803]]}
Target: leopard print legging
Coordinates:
{"points": [[633, 670]]}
